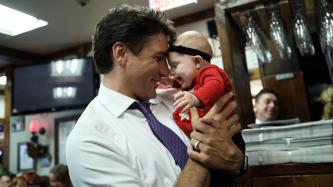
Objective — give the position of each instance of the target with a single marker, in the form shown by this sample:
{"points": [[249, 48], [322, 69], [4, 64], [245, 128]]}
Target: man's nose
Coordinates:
{"points": [[164, 71], [272, 104]]}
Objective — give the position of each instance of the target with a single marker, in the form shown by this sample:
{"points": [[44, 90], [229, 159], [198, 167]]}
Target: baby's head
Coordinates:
{"points": [[189, 53]]}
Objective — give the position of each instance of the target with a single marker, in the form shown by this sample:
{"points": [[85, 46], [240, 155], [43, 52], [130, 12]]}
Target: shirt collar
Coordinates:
{"points": [[111, 98], [164, 95], [115, 102], [258, 121]]}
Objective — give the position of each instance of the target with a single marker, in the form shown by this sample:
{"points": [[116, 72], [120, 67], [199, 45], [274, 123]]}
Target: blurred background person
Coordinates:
{"points": [[6, 179], [59, 176], [266, 106], [19, 181], [326, 97]]}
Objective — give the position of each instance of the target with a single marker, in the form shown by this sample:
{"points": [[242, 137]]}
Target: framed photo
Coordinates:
{"points": [[45, 161], [24, 162], [17, 123], [63, 126]]}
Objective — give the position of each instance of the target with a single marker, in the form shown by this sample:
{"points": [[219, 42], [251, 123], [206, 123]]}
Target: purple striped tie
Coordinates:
{"points": [[166, 136]]}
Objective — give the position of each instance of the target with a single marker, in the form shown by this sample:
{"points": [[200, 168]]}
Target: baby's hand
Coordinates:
{"points": [[186, 99]]}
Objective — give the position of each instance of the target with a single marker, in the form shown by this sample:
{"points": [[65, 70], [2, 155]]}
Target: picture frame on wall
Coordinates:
{"points": [[63, 126], [45, 161], [17, 123], [24, 161]]}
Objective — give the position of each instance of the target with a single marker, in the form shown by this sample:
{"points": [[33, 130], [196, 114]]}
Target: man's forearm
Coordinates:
{"points": [[194, 174]]}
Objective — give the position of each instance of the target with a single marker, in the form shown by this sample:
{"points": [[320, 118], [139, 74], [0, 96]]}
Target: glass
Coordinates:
{"points": [[278, 35], [302, 36], [256, 41], [325, 23], [326, 31]]}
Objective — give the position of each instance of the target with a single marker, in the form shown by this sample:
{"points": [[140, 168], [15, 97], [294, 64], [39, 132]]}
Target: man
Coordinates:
{"points": [[115, 142], [266, 107]]}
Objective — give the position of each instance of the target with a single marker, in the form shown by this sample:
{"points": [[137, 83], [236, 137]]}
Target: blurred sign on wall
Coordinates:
{"points": [[169, 4]]}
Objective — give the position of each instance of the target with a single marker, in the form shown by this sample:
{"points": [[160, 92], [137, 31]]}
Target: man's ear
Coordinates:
{"points": [[119, 50], [198, 61]]}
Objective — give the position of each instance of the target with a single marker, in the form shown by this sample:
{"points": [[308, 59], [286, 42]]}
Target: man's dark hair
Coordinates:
{"points": [[265, 91], [132, 25]]}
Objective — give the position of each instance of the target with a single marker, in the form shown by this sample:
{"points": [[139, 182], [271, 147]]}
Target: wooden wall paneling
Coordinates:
{"points": [[232, 48], [242, 5], [294, 181], [309, 7], [12, 57], [318, 174], [310, 15], [293, 102], [7, 126], [209, 13], [291, 169], [239, 19], [20, 55]]}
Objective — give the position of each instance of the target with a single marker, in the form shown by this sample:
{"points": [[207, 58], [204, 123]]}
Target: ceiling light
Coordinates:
{"points": [[67, 68], [13, 22], [64, 92]]}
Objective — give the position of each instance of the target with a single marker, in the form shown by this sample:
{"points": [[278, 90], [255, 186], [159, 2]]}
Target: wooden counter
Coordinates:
{"points": [[287, 175]]}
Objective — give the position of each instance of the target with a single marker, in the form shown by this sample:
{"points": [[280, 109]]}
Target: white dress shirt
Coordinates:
{"points": [[112, 145], [258, 121]]}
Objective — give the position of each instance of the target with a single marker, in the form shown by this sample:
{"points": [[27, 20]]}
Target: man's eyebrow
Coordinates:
{"points": [[164, 53]]}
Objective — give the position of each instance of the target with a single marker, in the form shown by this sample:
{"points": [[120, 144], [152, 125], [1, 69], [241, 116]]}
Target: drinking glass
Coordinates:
{"points": [[256, 41], [302, 36], [278, 35]]}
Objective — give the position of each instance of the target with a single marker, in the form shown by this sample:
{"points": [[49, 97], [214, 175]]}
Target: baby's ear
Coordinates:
{"points": [[198, 61]]}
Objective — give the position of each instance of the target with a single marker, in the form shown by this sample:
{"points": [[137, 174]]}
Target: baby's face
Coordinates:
{"points": [[182, 69]]}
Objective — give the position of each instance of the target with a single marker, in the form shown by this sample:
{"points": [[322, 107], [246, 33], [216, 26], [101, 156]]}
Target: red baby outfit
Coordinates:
{"points": [[211, 83]]}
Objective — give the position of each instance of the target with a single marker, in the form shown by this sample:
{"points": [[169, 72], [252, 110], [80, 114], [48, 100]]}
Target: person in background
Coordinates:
{"points": [[117, 141], [59, 176], [19, 181], [5, 181], [266, 106], [326, 97]]}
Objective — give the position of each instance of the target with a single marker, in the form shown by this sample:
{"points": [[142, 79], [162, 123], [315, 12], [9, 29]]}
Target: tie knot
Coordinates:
{"points": [[142, 106]]}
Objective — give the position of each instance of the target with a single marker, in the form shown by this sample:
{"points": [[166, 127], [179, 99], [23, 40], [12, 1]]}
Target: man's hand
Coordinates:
{"points": [[186, 99], [214, 131]]}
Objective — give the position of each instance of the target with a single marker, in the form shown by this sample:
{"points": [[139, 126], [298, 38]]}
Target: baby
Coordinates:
{"points": [[202, 83]]}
